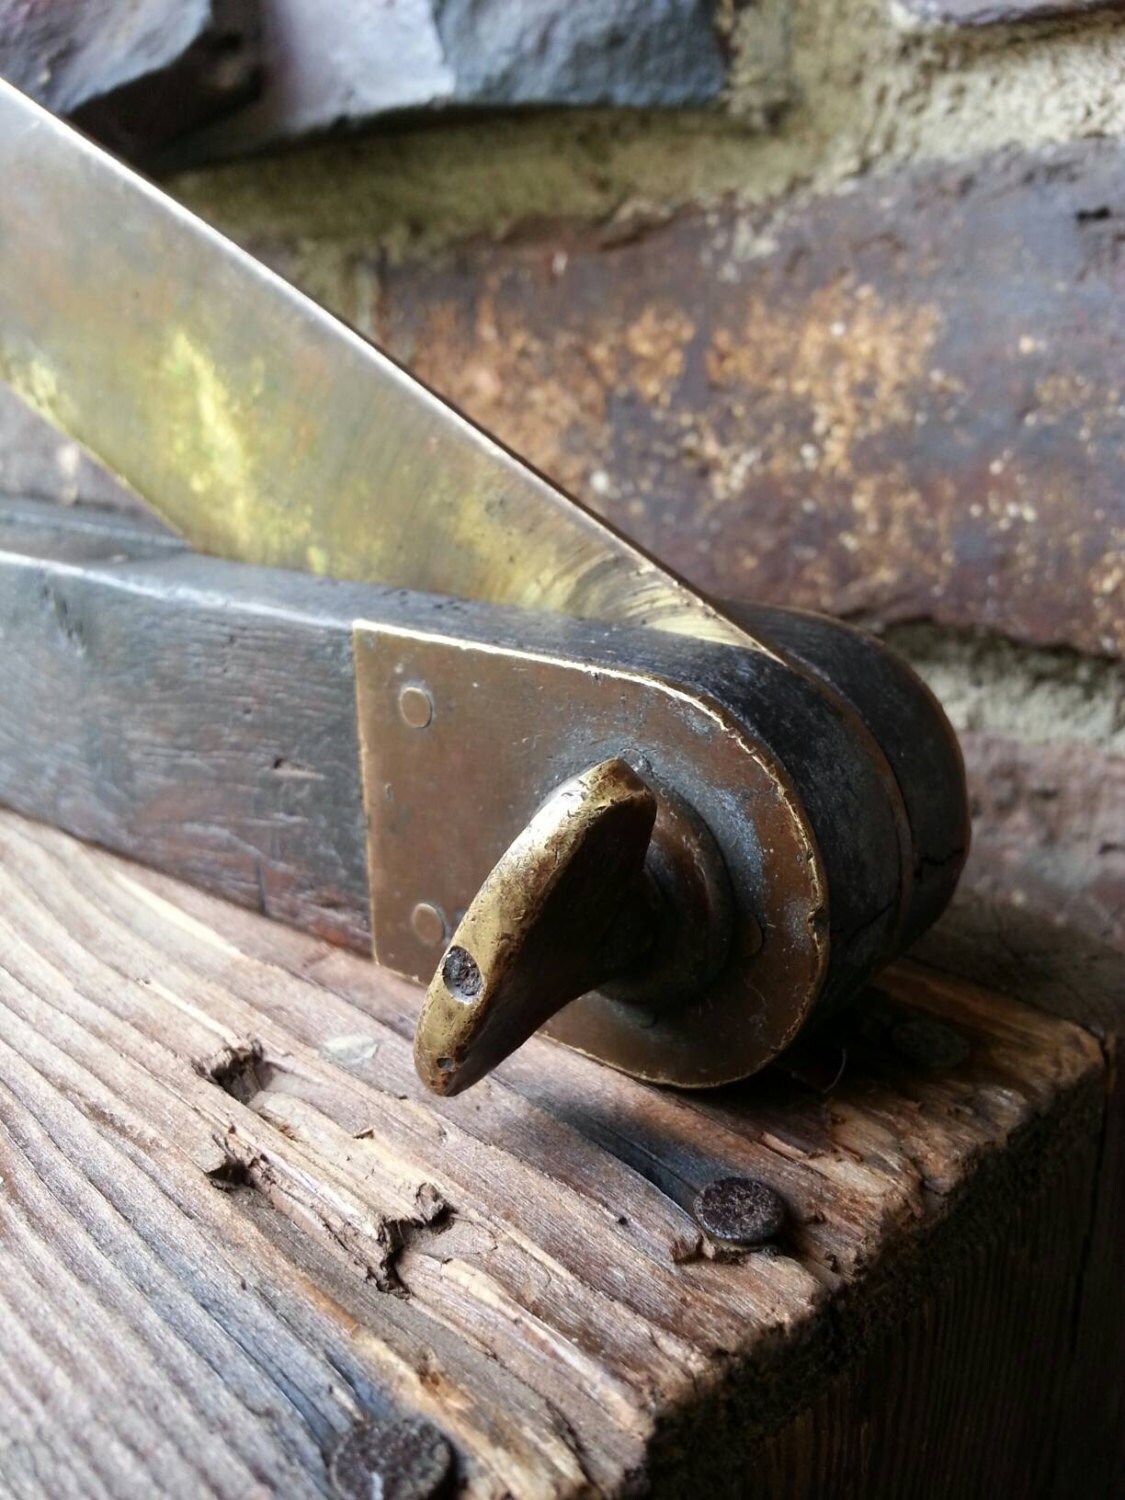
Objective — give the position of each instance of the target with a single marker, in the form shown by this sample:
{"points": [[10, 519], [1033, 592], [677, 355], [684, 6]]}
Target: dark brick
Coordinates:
{"points": [[904, 401], [136, 76], [1049, 832], [343, 65], [630, 52]]}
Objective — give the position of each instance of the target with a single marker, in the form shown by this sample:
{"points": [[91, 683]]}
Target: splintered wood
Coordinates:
{"points": [[233, 1225]]}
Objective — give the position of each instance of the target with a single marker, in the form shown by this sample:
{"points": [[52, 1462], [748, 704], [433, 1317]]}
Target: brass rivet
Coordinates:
{"points": [[416, 706], [428, 924]]}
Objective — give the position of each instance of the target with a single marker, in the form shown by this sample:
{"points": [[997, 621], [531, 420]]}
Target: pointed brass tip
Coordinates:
{"points": [[566, 907], [439, 1048]]}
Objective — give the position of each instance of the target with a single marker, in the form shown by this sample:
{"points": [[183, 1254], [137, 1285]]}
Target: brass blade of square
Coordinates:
{"points": [[258, 426]]}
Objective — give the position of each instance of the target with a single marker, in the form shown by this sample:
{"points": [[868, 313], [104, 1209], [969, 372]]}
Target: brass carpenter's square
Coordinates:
{"points": [[397, 688]]}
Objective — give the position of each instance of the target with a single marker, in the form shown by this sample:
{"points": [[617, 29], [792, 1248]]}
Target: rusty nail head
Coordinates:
{"points": [[397, 1459], [930, 1044], [740, 1211], [415, 705], [428, 924]]}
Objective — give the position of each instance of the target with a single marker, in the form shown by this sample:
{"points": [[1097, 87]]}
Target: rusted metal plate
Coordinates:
{"points": [[137, 75], [902, 401]]}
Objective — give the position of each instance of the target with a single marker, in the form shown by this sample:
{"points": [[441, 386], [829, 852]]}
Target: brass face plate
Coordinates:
{"points": [[445, 797]]}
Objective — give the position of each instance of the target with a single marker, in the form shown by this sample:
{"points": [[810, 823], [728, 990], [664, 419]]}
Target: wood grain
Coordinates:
{"points": [[1056, 966], [148, 706], [232, 1223]]}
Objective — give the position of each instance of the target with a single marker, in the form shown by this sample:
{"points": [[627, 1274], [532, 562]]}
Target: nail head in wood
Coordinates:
{"points": [[740, 1211], [396, 1459]]}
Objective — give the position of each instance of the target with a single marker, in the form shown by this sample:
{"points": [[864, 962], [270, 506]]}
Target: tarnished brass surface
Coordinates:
{"points": [[566, 907], [509, 726], [260, 427]]}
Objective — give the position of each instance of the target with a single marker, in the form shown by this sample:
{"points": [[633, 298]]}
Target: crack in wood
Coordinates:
{"points": [[238, 1068], [370, 1236]]}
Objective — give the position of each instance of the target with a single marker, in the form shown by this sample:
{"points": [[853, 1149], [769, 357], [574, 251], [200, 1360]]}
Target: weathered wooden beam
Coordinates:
{"points": [[1008, 945], [226, 1195], [210, 729]]}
